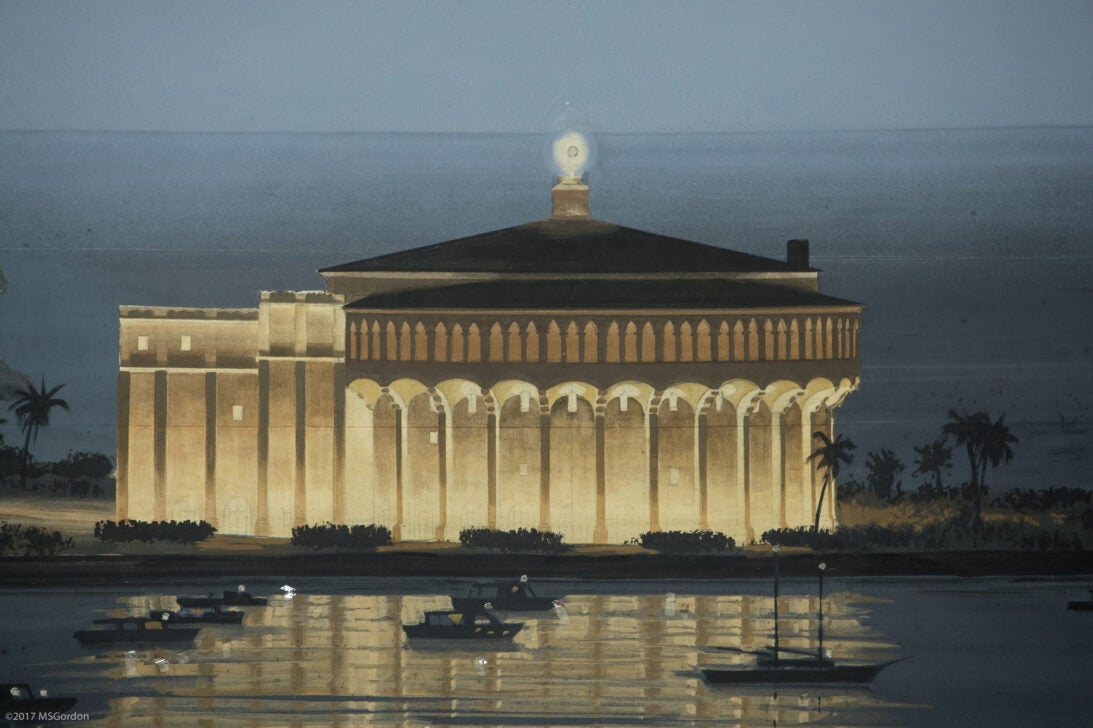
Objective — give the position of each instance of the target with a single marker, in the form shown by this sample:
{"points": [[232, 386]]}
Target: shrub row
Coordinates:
{"points": [[32, 540], [687, 542], [148, 531], [950, 535], [329, 535], [522, 539]]}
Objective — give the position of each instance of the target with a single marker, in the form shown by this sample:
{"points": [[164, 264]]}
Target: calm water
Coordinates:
{"points": [[971, 249], [985, 652]]}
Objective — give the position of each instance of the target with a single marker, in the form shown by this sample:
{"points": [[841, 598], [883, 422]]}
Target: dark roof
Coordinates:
{"points": [[600, 293], [567, 246]]}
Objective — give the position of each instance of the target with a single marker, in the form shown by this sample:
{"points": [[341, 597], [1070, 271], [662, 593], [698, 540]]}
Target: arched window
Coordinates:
{"points": [[353, 340], [440, 346], [591, 343], [514, 343], [421, 343], [376, 341], [392, 342], [648, 343], [630, 348], [842, 338], [780, 343], [458, 346], [794, 340], [497, 343], [404, 342], [753, 341], [669, 353], [703, 344], [532, 342], [572, 344], [554, 342], [474, 343], [854, 329], [768, 340], [809, 340], [828, 335], [723, 342], [612, 353], [686, 342], [738, 352]]}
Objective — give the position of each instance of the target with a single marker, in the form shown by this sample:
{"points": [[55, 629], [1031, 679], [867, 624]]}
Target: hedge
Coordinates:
{"points": [[522, 539], [329, 535], [148, 531], [32, 540], [687, 542]]}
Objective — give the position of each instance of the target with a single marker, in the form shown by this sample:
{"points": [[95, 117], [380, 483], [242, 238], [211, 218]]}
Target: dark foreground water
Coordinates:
{"points": [[984, 652]]}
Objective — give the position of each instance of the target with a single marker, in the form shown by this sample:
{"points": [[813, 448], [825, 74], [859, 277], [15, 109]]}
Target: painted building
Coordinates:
{"points": [[568, 374]]}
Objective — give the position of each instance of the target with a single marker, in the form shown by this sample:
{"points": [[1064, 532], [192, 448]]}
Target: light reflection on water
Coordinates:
{"points": [[342, 659]]}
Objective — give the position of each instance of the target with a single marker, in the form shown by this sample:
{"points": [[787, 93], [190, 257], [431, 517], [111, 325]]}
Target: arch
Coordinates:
{"points": [[496, 343], [613, 348], [391, 349], [572, 344], [440, 343], [648, 343], [768, 340], [458, 343], [591, 343], [532, 342], [506, 389], [669, 338], [572, 498], [518, 454], [554, 342], [794, 340], [781, 348], [474, 343], [640, 392], [570, 390], [376, 351], [809, 339], [686, 342], [404, 348], [703, 346], [515, 345], [630, 347], [421, 343], [366, 389], [723, 351], [353, 344], [626, 461], [690, 392]]}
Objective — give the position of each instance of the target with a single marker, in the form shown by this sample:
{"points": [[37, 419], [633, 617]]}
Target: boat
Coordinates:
{"points": [[18, 698], [462, 625], [778, 664], [503, 596], [198, 615], [238, 598], [128, 630], [1082, 605]]}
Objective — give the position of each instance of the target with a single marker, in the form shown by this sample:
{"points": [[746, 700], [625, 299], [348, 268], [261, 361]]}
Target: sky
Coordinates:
{"points": [[483, 66]]}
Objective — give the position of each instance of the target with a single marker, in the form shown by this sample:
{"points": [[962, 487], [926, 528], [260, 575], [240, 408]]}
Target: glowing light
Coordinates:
{"points": [[573, 152]]}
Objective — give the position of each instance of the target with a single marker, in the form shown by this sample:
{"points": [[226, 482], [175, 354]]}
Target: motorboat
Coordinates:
{"points": [[503, 596], [198, 615], [238, 598], [462, 625], [130, 630]]}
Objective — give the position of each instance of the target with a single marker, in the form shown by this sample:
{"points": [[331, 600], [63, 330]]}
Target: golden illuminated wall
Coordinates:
{"points": [[599, 426]]}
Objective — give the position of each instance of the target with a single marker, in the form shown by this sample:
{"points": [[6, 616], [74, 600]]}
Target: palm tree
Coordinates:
{"points": [[932, 459], [995, 450], [830, 455], [884, 468], [967, 430], [32, 407]]}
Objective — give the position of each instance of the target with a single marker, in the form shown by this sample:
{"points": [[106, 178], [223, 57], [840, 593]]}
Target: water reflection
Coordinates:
{"points": [[600, 659]]}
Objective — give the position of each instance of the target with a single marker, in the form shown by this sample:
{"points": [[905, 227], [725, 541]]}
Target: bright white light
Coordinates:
{"points": [[573, 152]]}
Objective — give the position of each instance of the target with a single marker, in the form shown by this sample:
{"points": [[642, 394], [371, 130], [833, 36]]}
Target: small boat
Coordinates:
{"points": [[773, 665], [462, 625], [127, 630], [16, 698], [238, 598], [503, 596], [198, 615], [1082, 605]]}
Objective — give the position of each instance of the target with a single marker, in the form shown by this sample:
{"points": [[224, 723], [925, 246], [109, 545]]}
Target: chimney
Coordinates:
{"points": [[797, 254], [569, 199]]}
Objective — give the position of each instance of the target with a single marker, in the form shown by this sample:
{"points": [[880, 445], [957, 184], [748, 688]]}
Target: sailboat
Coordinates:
{"points": [[778, 664]]}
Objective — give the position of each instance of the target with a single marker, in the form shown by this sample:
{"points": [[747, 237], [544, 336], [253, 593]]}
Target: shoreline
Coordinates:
{"points": [[88, 570]]}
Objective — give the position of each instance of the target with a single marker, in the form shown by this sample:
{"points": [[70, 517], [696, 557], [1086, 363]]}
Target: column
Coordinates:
{"points": [[653, 438], [210, 449], [544, 462], [703, 493], [121, 471], [442, 466], [599, 532], [491, 466], [261, 524], [160, 447]]}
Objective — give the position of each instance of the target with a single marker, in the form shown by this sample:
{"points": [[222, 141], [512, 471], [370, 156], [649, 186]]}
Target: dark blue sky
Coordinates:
{"points": [[285, 65]]}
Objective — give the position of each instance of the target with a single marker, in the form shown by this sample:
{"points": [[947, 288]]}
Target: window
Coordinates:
{"points": [[237, 412], [142, 343], [433, 439], [673, 476], [185, 344]]}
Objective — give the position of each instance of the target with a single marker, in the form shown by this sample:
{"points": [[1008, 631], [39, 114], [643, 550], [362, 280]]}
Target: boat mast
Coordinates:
{"points": [[820, 649], [776, 548]]}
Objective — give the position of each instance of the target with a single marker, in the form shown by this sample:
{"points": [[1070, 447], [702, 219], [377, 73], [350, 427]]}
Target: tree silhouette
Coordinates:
{"points": [[967, 430], [830, 454], [32, 407], [884, 467], [932, 459], [987, 443], [994, 450]]}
